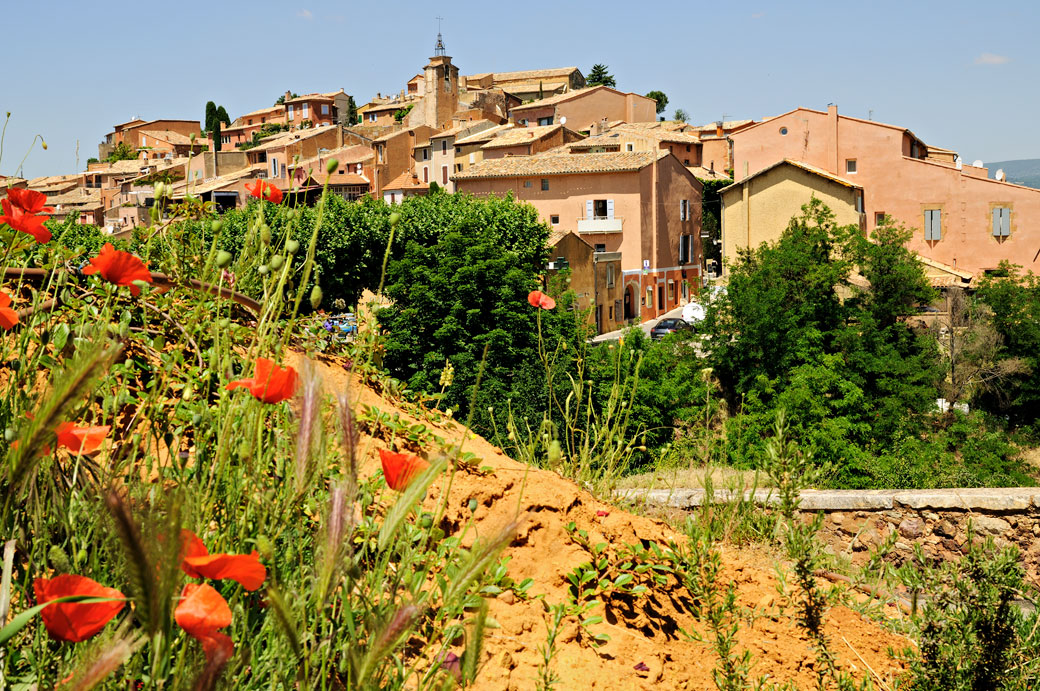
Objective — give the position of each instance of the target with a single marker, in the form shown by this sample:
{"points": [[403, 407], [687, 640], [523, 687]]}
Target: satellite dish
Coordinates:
{"points": [[563, 119], [978, 164], [1000, 175], [959, 162]]}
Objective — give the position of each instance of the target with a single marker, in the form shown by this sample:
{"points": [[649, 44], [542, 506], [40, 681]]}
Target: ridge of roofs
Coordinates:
{"points": [[523, 75], [170, 137], [797, 164], [460, 128], [407, 180], [566, 96], [561, 164], [485, 135], [521, 135]]}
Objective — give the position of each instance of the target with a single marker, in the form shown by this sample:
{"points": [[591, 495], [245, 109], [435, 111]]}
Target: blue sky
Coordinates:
{"points": [[961, 75]]}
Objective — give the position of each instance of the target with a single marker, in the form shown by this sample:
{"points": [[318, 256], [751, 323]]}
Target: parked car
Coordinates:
{"points": [[667, 326], [693, 313]]}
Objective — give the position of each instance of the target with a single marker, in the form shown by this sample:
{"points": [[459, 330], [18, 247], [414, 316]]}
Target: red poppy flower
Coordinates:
{"points": [[8, 317], [270, 383], [197, 562], [80, 440], [18, 219], [120, 268], [75, 621], [400, 469], [30, 201], [539, 299], [202, 610], [265, 190]]}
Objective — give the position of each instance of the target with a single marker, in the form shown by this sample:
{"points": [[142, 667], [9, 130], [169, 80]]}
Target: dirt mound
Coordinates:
{"points": [[648, 648]]}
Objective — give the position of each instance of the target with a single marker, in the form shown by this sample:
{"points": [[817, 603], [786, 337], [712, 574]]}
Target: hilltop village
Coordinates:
{"points": [[624, 190]]}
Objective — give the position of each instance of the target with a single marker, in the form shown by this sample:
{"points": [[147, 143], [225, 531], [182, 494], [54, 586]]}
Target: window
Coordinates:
{"points": [[371, 117], [425, 154], [324, 108], [850, 166], [630, 147], [458, 149], [306, 110], [527, 183], [599, 208], [473, 158], [554, 219], [687, 147], [601, 247], [458, 167], [444, 146], [274, 167], [783, 131], [684, 248], [684, 209], [290, 111], [933, 224], [545, 184], [1001, 221], [610, 275], [545, 121], [686, 162], [379, 149], [523, 121], [425, 173], [879, 218], [671, 290], [444, 174]]}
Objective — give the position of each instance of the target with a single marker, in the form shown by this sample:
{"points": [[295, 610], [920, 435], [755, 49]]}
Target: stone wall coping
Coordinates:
{"points": [[962, 499]]}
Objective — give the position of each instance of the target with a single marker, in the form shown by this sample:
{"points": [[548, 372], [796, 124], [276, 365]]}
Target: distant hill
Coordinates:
{"points": [[1022, 172]]}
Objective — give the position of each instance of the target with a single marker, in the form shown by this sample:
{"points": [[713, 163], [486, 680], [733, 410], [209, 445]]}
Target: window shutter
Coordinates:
{"points": [[588, 209], [937, 224], [1005, 221], [610, 208], [996, 222]]}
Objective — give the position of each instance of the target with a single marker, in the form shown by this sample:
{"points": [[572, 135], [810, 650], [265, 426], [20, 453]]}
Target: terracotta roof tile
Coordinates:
{"points": [[561, 164], [521, 135], [484, 135], [406, 181]]}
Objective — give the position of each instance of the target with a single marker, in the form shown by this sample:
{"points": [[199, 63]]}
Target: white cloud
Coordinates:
{"points": [[758, 15], [306, 14], [992, 59]]}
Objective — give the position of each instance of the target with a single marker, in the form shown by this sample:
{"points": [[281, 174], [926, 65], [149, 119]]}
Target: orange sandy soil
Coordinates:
{"points": [[646, 629]]}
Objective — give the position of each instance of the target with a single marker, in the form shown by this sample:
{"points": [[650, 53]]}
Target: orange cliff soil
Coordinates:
{"points": [[647, 629]]}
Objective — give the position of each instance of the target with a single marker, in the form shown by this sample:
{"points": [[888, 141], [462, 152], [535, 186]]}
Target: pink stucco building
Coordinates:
{"points": [[960, 217], [643, 204]]}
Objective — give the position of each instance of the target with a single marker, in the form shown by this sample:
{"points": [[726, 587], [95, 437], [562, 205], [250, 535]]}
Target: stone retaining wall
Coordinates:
{"points": [[936, 519]]}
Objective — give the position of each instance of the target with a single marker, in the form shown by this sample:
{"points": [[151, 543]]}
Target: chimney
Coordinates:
{"points": [[718, 128], [288, 95]]}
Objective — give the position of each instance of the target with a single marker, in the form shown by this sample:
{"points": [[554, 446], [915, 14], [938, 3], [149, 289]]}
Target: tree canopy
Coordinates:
{"points": [[661, 98], [599, 75]]}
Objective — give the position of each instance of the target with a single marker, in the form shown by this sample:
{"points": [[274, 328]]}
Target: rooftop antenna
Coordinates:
{"points": [[439, 48], [870, 114]]}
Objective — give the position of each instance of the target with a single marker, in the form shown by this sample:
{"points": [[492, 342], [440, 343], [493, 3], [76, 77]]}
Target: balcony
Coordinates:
{"points": [[600, 224]]}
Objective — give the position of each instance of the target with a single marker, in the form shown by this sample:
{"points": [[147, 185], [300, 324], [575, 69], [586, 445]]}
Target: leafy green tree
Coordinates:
{"points": [[215, 135], [222, 116], [122, 152], [681, 115], [599, 75], [662, 100], [1014, 300], [281, 99]]}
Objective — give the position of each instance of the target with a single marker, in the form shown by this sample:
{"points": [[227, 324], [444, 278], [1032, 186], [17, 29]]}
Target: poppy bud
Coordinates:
{"points": [[395, 218], [223, 258], [216, 227], [276, 262], [263, 270], [81, 556], [186, 392], [224, 323], [9, 434], [265, 234], [333, 164], [472, 505], [264, 546], [316, 297], [555, 453], [290, 214], [59, 560], [160, 190], [191, 136], [426, 521], [43, 143], [292, 247]]}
